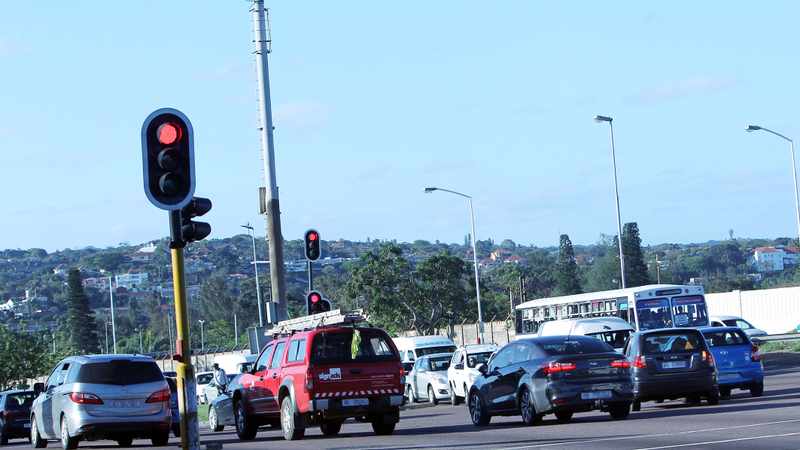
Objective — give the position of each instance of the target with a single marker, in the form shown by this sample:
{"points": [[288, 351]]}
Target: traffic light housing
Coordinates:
{"points": [[312, 245], [192, 231], [168, 159], [316, 303]]}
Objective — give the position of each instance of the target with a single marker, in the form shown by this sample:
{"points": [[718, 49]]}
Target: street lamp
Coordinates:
{"points": [[113, 322], [107, 324], [609, 120], [202, 336], [751, 128], [429, 190], [255, 267]]}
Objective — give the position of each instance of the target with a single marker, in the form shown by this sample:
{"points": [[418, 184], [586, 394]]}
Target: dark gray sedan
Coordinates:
{"points": [[557, 375]]}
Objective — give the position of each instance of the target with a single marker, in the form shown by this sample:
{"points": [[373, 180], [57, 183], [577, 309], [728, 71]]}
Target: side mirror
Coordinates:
{"points": [[38, 388], [483, 369], [459, 366]]}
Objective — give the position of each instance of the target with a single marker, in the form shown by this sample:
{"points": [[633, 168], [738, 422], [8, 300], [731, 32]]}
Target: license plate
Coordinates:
{"points": [[597, 395], [674, 365], [355, 402]]}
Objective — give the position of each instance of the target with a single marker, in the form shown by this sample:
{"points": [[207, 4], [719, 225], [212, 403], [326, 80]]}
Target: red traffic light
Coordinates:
{"points": [[168, 133], [312, 236], [315, 298]]}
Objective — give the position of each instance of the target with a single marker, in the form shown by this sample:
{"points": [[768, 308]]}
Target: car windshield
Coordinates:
{"points": [[338, 346], [741, 323], [473, 359], [204, 378], [671, 342], [438, 364], [119, 372], [724, 338], [19, 401], [433, 350], [654, 313], [616, 339], [574, 347]]}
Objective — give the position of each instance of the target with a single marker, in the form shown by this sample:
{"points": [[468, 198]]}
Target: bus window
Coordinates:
{"points": [[654, 313], [689, 311]]}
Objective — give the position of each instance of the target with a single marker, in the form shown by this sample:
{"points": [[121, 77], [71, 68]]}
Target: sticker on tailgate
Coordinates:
{"points": [[334, 373]]}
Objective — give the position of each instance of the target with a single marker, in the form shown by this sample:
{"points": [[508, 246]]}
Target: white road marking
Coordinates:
{"points": [[695, 444]]}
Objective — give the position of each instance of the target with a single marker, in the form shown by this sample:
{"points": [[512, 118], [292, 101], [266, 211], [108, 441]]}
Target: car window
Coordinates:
{"points": [[455, 359], [616, 339], [723, 338], [439, 364], [501, 358], [263, 360], [434, 350], [743, 324], [473, 359], [119, 372], [671, 342], [205, 378], [574, 346], [278, 356], [19, 401], [520, 354], [297, 351], [292, 351], [61, 376], [52, 380], [338, 346]]}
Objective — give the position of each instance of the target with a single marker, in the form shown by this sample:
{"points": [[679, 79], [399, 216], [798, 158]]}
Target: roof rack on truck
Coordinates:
{"points": [[328, 318]]}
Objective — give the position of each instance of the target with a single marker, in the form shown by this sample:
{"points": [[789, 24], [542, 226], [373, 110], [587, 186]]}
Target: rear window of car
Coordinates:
{"points": [[119, 372], [19, 401], [205, 378], [339, 347], [438, 364], [473, 359], [433, 350], [574, 347], [671, 342], [725, 338]]}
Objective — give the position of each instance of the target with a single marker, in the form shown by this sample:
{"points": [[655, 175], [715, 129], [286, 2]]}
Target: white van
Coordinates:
{"points": [[232, 363], [614, 331], [411, 348]]}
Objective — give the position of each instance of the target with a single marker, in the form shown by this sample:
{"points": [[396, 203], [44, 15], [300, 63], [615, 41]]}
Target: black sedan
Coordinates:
{"points": [[15, 415], [555, 374], [672, 363]]}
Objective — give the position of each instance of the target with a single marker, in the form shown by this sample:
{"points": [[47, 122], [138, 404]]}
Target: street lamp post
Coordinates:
{"points": [[113, 322], [609, 120], [428, 190], [202, 336], [107, 324], [751, 128], [255, 267], [141, 347]]}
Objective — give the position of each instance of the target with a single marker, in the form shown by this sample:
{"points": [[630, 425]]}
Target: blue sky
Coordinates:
{"points": [[374, 101]]}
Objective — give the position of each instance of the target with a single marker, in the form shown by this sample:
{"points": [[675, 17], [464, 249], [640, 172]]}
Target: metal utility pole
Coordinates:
{"points": [[610, 120], [272, 206], [235, 330], [202, 336], [113, 323], [255, 267]]}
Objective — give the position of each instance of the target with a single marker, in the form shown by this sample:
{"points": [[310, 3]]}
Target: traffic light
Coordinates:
{"points": [[316, 304], [190, 230], [168, 159], [312, 247]]}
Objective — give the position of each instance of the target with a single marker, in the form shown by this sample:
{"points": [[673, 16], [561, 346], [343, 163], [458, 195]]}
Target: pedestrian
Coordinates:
{"points": [[220, 378]]}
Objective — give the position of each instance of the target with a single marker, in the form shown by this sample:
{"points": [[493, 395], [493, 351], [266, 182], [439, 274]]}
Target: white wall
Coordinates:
{"points": [[775, 311]]}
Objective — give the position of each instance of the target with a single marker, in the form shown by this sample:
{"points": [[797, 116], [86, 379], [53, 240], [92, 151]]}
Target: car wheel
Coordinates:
{"points": [[564, 415], [245, 428], [213, 421], [412, 396], [432, 396], [477, 410], [160, 439], [125, 442], [619, 411], [67, 442], [725, 393], [36, 439], [330, 427], [381, 428], [454, 399], [176, 430], [636, 406], [527, 409], [3, 437], [757, 390], [292, 429], [713, 397]]}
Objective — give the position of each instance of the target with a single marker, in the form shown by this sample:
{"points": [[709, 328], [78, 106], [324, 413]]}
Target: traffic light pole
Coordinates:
{"points": [[187, 389], [310, 276]]}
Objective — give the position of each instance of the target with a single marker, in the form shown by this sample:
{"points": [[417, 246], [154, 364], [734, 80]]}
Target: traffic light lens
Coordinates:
{"points": [[312, 236], [169, 184], [168, 133], [315, 298]]}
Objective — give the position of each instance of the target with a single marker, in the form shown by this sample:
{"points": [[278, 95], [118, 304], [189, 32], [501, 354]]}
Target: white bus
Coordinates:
{"points": [[645, 307]]}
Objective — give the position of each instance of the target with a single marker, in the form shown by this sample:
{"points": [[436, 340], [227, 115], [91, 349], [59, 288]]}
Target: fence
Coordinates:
{"points": [[202, 360], [494, 331], [775, 311]]}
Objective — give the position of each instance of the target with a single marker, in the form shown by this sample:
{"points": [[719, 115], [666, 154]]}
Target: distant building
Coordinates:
{"points": [[791, 256], [145, 253], [132, 281], [768, 259]]}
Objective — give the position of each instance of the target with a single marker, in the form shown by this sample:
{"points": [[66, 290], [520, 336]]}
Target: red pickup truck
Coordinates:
{"points": [[322, 376]]}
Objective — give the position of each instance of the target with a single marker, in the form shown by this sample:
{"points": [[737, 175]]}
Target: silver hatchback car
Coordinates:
{"points": [[117, 397]]}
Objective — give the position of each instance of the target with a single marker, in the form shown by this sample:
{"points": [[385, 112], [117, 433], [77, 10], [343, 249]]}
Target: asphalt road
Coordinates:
{"points": [[770, 422]]}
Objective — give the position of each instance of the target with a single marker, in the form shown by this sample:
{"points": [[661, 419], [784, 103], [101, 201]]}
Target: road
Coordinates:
{"points": [[770, 422]]}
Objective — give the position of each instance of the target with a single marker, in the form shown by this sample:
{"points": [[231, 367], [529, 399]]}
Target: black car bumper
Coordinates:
{"points": [[587, 397], [17, 430], [676, 386], [112, 431], [335, 409]]}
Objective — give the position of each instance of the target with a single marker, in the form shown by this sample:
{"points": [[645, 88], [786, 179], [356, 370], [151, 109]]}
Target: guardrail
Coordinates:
{"points": [[777, 337]]}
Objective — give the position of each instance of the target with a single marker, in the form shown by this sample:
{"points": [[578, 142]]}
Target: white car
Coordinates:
{"points": [[201, 380], [463, 369], [428, 379], [733, 321]]}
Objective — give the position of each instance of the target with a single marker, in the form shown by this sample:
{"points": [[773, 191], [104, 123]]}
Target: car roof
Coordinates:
{"points": [[479, 348], [552, 339], [86, 359], [725, 317], [16, 391]]}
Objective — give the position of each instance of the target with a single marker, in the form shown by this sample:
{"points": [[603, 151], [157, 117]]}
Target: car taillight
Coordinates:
{"points": [[85, 399], [159, 396], [558, 367], [402, 376], [755, 356], [621, 364], [639, 362], [309, 380], [707, 357]]}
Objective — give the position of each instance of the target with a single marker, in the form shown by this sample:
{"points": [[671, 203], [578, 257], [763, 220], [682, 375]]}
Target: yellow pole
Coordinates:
{"points": [[187, 389]]}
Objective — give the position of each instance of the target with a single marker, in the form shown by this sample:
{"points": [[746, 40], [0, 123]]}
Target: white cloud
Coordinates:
{"points": [[670, 90]]}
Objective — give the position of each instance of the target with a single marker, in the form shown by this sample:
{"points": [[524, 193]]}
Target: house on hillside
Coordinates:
{"points": [[768, 259]]}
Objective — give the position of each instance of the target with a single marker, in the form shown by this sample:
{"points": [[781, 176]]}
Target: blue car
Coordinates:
{"points": [[173, 403], [737, 359]]}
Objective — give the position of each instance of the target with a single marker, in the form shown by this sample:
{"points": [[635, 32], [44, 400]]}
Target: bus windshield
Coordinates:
{"points": [[689, 311], [654, 313]]}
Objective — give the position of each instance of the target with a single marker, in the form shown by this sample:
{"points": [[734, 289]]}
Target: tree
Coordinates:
{"points": [[80, 319], [567, 281], [24, 356], [604, 273], [635, 269]]}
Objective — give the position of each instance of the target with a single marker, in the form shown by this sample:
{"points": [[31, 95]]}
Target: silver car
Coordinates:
{"points": [[428, 379], [117, 397]]}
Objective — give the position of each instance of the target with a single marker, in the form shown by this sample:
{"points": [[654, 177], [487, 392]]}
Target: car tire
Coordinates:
{"points": [[725, 393], [245, 428], [67, 442], [619, 411], [160, 439], [330, 427], [432, 396], [713, 397], [564, 416], [477, 410], [176, 430], [412, 395], [527, 409], [213, 420], [36, 439], [3, 437], [636, 406], [125, 442], [381, 428], [757, 390], [290, 421]]}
